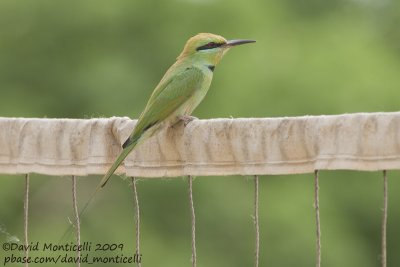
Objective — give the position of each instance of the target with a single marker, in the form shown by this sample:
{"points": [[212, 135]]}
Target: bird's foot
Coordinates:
{"points": [[186, 119]]}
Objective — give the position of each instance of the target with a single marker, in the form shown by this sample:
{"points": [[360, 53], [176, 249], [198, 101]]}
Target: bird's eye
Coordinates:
{"points": [[209, 45]]}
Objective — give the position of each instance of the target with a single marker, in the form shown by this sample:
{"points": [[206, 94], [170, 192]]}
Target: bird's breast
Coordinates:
{"points": [[201, 88]]}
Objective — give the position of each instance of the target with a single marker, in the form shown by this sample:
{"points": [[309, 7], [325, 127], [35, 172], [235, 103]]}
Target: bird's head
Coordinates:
{"points": [[208, 47]]}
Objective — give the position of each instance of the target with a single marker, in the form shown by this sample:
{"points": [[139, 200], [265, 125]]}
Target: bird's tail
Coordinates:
{"points": [[102, 183], [117, 162], [76, 221]]}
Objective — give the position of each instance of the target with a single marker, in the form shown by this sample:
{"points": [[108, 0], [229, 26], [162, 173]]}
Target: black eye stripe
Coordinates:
{"points": [[210, 45]]}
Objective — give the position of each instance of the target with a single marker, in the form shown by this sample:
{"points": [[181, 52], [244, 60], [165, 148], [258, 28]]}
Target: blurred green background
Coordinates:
{"points": [[82, 59]]}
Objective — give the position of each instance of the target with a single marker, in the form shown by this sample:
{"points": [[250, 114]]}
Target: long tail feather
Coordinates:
{"points": [[116, 164], [73, 223], [102, 183]]}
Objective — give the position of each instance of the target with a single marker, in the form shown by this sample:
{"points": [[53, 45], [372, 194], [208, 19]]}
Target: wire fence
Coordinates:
{"points": [[76, 221], [214, 147]]}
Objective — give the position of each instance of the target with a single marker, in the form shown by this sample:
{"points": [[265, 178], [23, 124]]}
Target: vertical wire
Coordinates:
{"points": [[317, 218], [26, 209], [137, 219], [256, 223], [77, 222], [193, 217], [384, 220]]}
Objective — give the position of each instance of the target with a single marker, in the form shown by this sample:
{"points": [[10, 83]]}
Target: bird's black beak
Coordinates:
{"points": [[231, 43]]}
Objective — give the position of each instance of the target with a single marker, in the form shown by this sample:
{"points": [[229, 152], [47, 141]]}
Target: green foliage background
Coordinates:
{"points": [[80, 59]]}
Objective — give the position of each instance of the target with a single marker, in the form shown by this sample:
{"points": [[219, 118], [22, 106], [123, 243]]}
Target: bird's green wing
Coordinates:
{"points": [[169, 95]]}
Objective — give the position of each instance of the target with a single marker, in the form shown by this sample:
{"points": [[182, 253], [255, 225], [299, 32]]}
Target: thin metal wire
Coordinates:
{"points": [[26, 210], [317, 218], [384, 220], [256, 223], [193, 217], [137, 218], [77, 223]]}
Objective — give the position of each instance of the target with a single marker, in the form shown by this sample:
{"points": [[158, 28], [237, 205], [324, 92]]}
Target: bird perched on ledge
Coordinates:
{"points": [[179, 92]]}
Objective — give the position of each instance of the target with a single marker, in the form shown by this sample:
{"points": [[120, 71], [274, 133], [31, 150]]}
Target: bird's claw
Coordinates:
{"points": [[186, 119]]}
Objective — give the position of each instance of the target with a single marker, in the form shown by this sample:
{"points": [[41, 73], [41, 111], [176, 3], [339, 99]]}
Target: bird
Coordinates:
{"points": [[179, 92]]}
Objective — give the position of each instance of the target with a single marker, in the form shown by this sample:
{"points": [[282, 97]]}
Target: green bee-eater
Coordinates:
{"points": [[179, 92]]}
